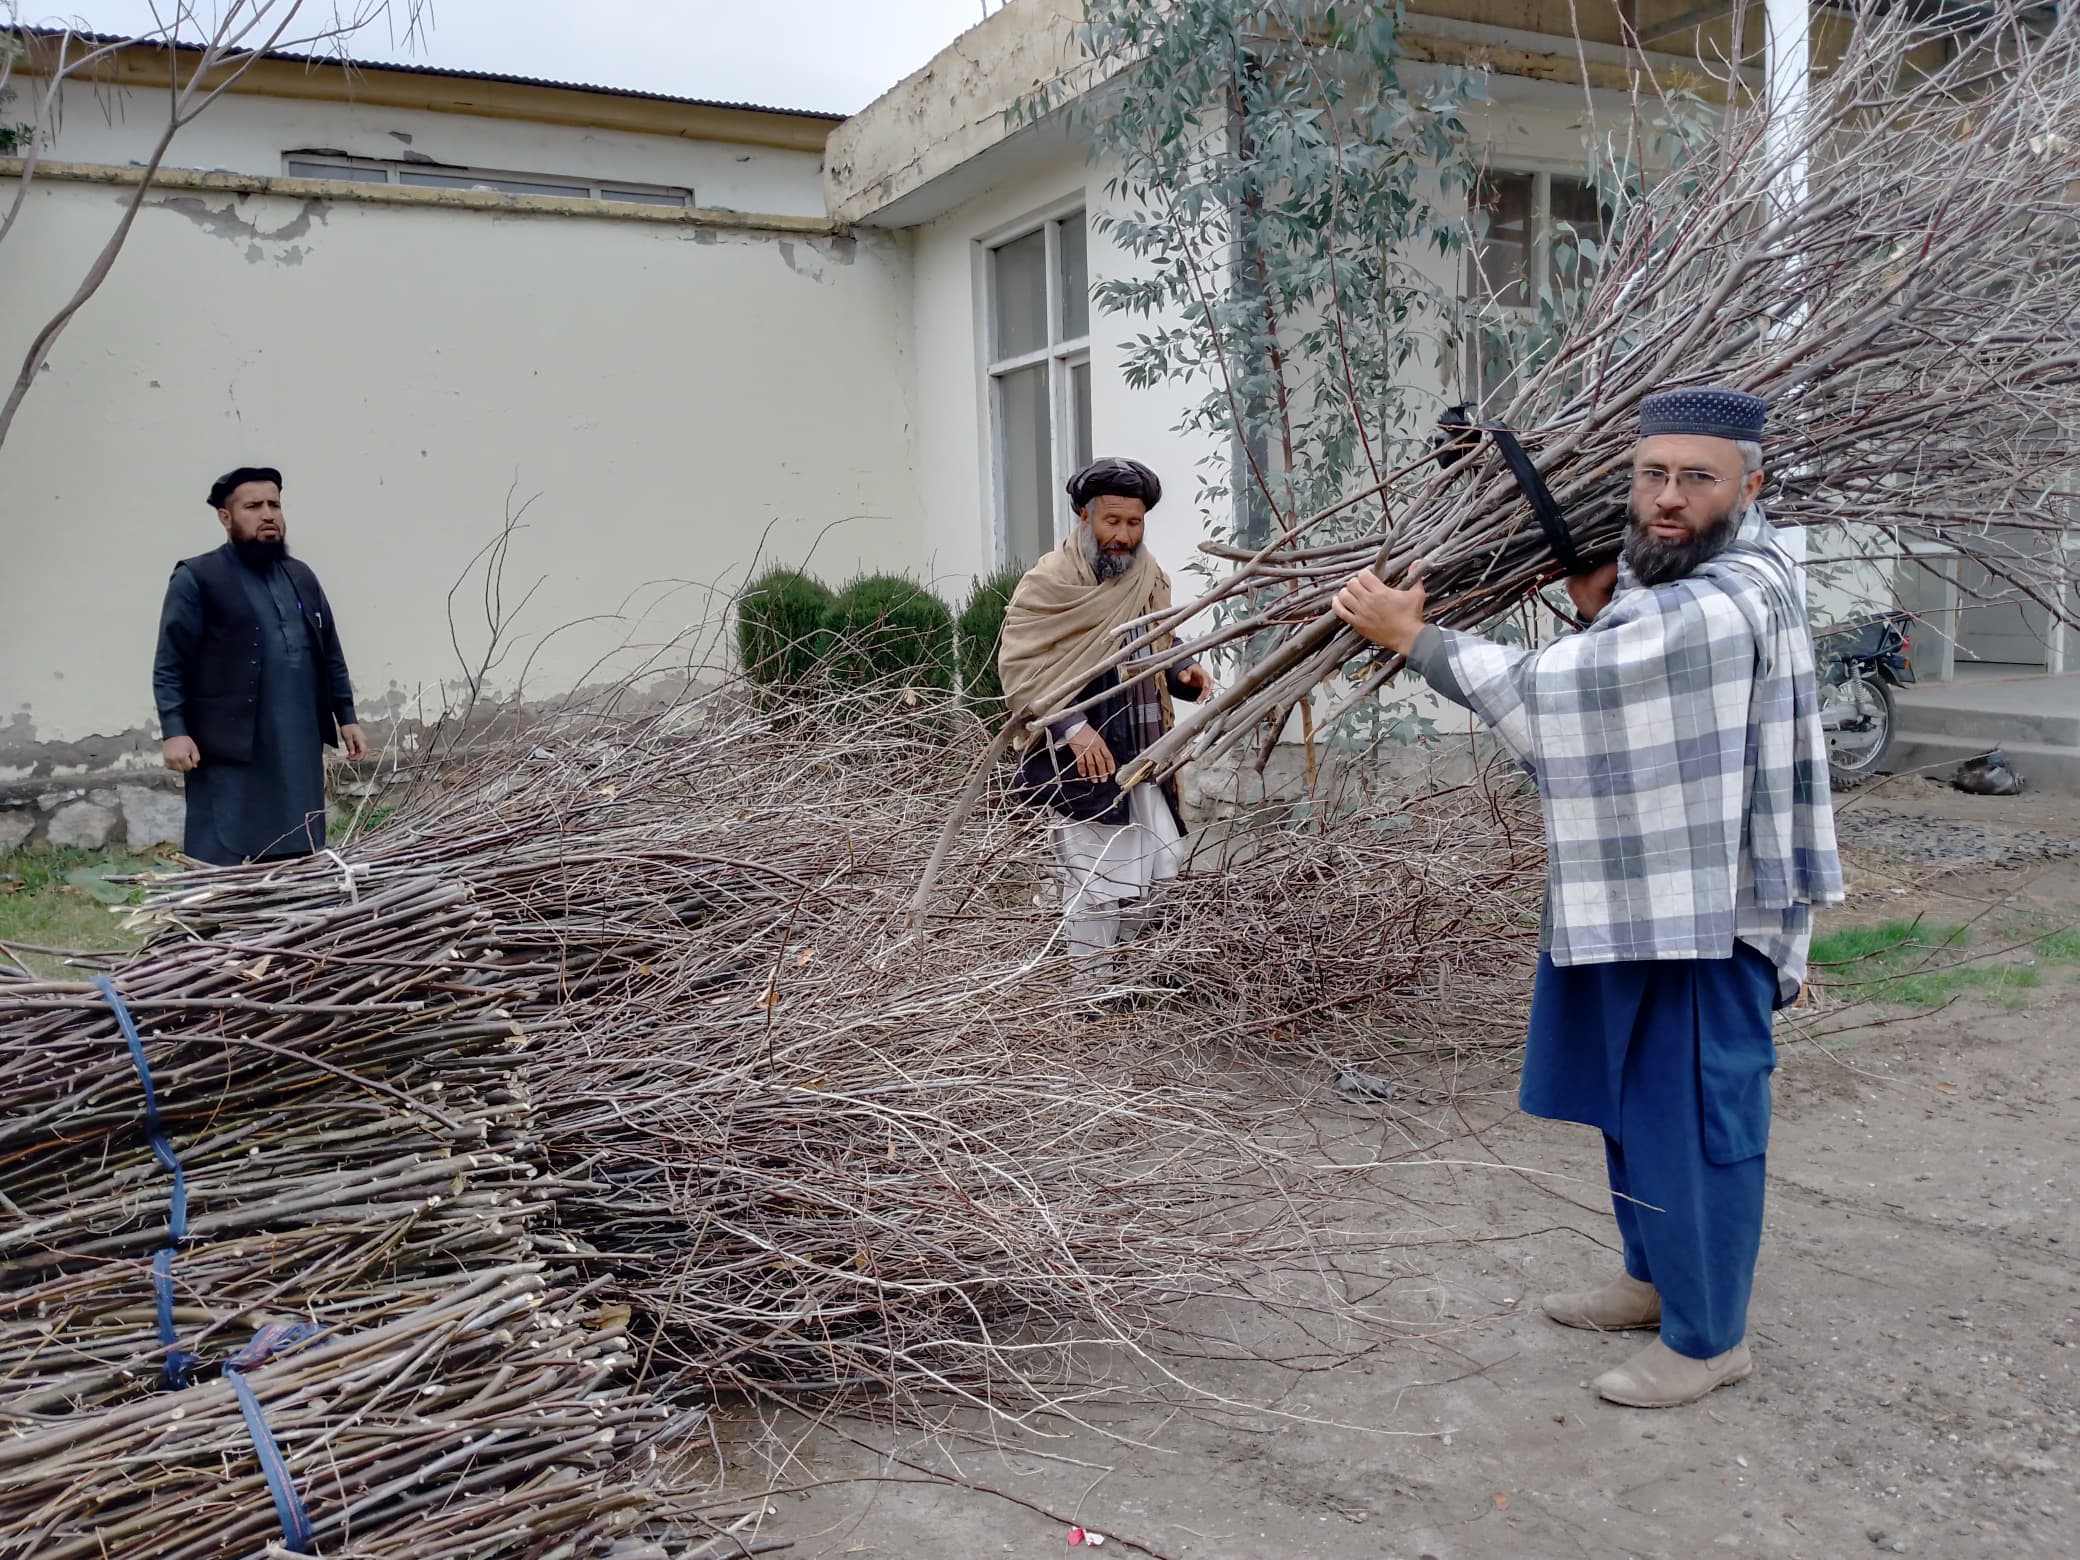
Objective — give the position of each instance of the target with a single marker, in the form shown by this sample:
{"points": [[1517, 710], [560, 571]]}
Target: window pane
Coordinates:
{"points": [[1025, 464], [1076, 278], [484, 181], [1501, 255], [1494, 380], [644, 197], [1080, 399], [1021, 296], [1577, 207], [318, 170]]}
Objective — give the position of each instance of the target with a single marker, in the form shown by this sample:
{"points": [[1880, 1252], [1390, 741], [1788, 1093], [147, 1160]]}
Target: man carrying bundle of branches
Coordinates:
{"points": [[1678, 753], [1065, 620]]}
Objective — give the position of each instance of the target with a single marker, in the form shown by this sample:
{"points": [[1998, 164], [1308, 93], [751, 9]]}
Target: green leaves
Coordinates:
{"points": [[1294, 203], [978, 633], [780, 633], [1272, 177]]}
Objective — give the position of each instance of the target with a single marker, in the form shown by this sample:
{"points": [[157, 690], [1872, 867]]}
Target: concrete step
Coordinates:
{"points": [[2044, 766], [1992, 713]]}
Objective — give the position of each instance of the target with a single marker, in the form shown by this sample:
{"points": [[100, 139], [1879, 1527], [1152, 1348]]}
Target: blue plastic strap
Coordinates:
{"points": [[179, 1363], [288, 1507], [268, 1341]]}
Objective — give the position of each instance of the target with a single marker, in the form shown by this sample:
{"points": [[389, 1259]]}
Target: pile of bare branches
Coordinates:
{"points": [[1420, 914], [342, 1093], [469, 1418], [1897, 270], [630, 1028], [819, 1151]]}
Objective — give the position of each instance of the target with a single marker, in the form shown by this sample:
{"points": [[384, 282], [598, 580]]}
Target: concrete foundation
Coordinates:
{"points": [[2035, 720], [137, 808]]}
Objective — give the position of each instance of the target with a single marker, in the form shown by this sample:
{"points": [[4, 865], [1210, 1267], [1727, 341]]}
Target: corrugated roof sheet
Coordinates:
{"points": [[99, 39]]}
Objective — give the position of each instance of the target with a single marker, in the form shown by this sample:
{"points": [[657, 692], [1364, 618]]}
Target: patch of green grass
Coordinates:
{"points": [[2061, 947], [59, 897], [1932, 988], [360, 827], [1890, 945], [1918, 964]]}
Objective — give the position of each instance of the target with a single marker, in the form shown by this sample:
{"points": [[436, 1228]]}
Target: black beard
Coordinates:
{"points": [[258, 554], [1108, 565], [1655, 562]]}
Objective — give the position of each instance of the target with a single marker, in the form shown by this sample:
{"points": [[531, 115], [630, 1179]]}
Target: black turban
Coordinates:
{"points": [[231, 481], [1115, 478]]}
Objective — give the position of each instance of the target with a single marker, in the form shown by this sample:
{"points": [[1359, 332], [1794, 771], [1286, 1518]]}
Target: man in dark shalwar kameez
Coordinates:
{"points": [[1677, 748], [251, 684], [1069, 616]]}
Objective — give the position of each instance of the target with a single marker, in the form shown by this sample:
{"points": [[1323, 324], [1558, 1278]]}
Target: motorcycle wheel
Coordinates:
{"points": [[1854, 756]]}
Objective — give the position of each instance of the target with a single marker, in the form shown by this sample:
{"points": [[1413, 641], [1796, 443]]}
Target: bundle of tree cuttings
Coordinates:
{"points": [[623, 1045], [1896, 268], [278, 1266], [819, 1156]]}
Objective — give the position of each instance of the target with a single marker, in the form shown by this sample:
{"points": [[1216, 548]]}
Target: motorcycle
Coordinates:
{"points": [[1859, 665]]}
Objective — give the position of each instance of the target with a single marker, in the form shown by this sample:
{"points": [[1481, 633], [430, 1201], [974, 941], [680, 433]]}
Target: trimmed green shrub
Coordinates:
{"points": [[976, 634], [884, 628], [780, 633]]}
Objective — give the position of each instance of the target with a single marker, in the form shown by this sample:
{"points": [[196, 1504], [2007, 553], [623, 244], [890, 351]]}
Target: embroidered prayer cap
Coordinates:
{"points": [[1712, 411], [231, 481], [1118, 478]]}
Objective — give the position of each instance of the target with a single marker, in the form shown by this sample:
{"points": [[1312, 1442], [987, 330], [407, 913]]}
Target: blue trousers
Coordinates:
{"points": [[1671, 1059]]}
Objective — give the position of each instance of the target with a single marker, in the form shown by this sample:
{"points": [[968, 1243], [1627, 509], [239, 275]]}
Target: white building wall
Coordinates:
{"points": [[671, 401], [949, 257], [247, 133]]}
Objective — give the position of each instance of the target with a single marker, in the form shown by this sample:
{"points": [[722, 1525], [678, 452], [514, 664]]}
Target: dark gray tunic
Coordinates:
{"points": [[275, 805]]}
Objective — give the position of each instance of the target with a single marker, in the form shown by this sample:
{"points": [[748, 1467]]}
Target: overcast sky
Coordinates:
{"points": [[837, 55]]}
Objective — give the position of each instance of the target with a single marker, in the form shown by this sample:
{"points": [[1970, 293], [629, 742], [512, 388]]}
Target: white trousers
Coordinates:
{"points": [[1107, 871]]}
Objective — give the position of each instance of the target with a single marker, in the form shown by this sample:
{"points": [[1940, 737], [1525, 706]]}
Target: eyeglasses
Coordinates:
{"points": [[1692, 483]]}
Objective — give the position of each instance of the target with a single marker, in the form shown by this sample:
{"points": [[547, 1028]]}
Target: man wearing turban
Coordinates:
{"points": [[1677, 748], [1072, 613], [251, 684]]}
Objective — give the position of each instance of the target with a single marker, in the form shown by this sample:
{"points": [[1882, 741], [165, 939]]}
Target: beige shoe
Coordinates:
{"points": [[1623, 1302], [1658, 1377]]}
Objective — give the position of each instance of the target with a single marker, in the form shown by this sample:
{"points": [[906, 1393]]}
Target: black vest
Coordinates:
{"points": [[221, 679], [1047, 777]]}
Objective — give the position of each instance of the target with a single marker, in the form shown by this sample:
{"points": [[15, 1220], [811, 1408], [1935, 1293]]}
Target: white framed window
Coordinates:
{"points": [[1038, 357], [1521, 253], [374, 170]]}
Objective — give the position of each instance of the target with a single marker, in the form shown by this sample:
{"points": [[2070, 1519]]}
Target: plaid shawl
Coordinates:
{"points": [[1678, 751], [1063, 620]]}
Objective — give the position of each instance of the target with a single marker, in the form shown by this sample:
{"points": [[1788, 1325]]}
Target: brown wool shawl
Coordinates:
{"points": [[1063, 624]]}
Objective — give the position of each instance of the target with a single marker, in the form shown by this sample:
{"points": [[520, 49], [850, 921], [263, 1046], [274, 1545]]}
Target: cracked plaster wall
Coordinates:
{"points": [[668, 400], [249, 134]]}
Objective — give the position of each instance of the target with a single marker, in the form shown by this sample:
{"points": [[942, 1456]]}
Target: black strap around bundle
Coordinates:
{"points": [[1460, 434]]}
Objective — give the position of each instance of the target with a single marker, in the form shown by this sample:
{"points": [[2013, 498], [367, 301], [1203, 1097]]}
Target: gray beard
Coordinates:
{"points": [[1655, 562], [1103, 564]]}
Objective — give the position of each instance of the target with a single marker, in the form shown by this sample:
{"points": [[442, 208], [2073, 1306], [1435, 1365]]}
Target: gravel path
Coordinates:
{"points": [[1923, 839]]}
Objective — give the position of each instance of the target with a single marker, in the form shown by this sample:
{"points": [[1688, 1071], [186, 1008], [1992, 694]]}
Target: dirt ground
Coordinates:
{"points": [[1916, 1318]]}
